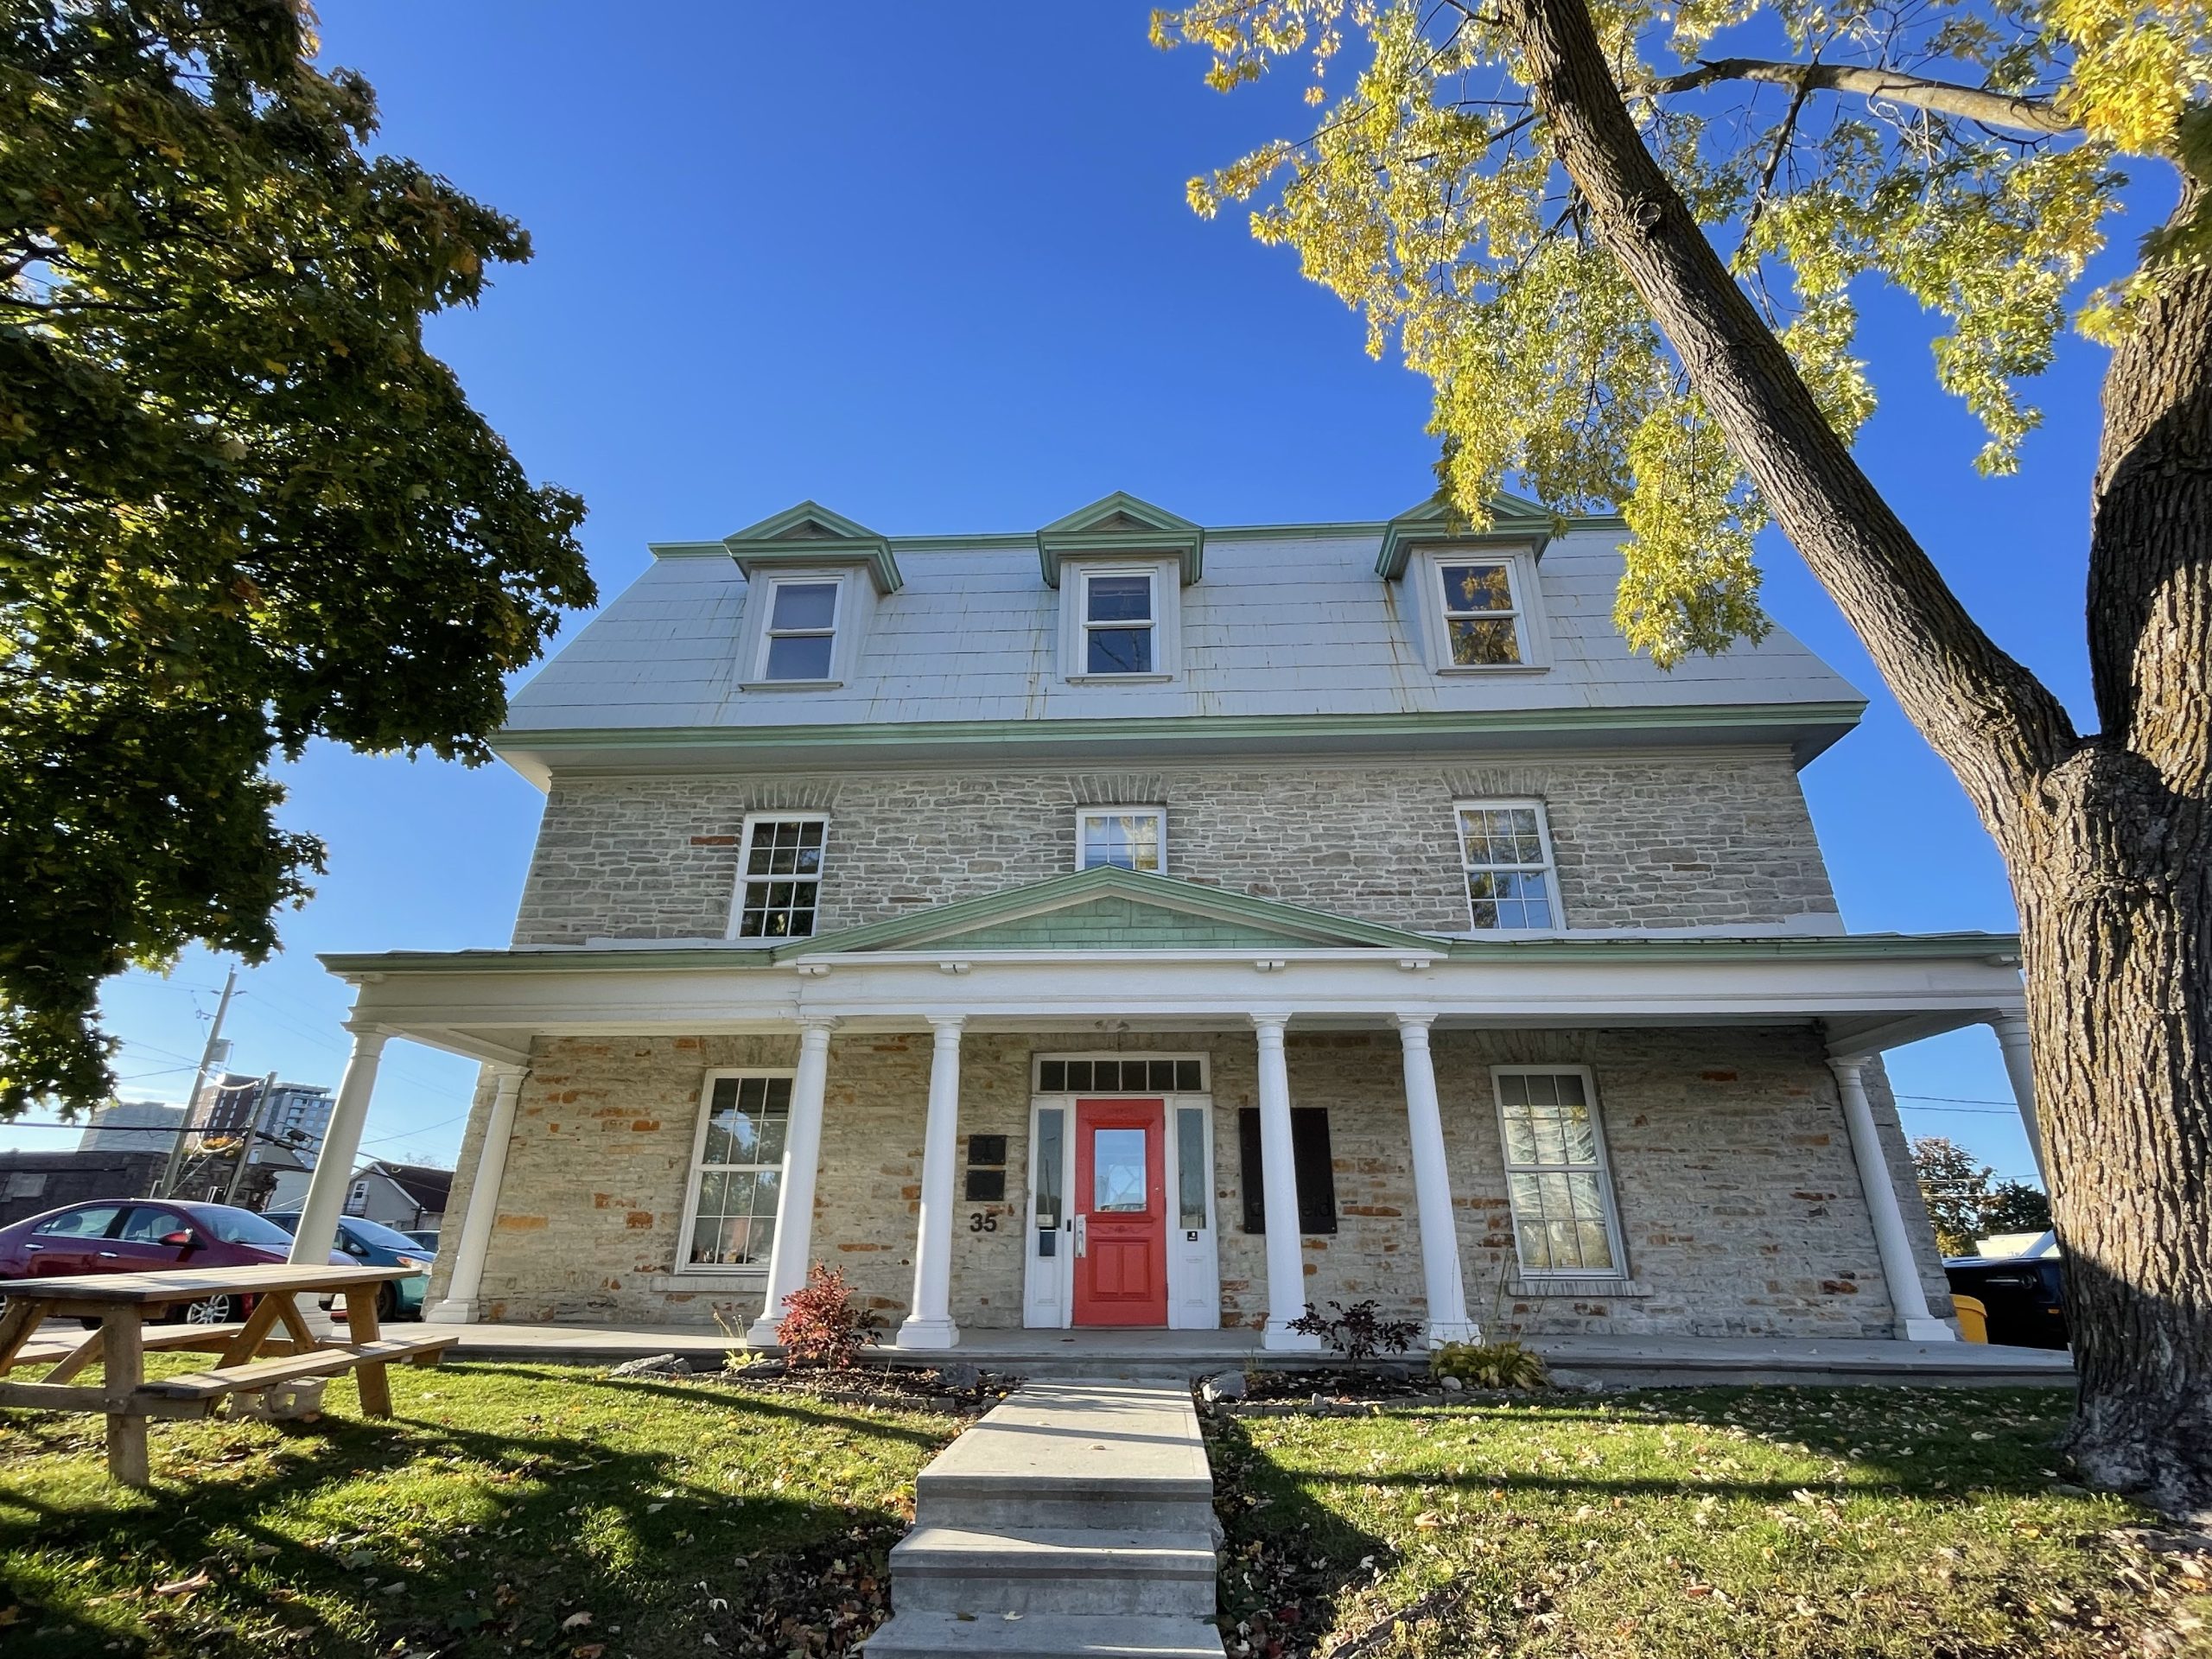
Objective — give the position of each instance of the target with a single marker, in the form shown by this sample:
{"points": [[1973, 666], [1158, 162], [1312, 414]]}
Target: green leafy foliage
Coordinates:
{"points": [[1971, 164], [1966, 1201], [241, 507], [1488, 1364]]}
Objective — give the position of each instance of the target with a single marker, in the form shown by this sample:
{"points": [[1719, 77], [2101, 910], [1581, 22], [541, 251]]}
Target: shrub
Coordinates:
{"points": [[1488, 1364], [1355, 1332], [824, 1326]]}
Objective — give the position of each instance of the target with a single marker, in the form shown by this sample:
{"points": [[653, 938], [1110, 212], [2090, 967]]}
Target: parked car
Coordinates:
{"points": [[373, 1244], [2025, 1294], [143, 1236], [427, 1238]]}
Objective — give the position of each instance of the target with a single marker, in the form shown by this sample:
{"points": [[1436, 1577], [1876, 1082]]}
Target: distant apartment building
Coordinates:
{"points": [[131, 1125], [295, 1116]]}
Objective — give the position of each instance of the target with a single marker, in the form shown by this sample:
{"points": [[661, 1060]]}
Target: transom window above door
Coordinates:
{"points": [[1506, 850], [779, 878], [1129, 1074], [801, 639], [1127, 837], [1118, 621]]}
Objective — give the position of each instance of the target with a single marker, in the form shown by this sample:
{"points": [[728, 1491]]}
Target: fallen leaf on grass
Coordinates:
{"points": [[576, 1621], [199, 1581]]}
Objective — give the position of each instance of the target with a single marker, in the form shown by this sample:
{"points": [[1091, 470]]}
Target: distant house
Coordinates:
{"points": [[411, 1196], [31, 1183]]}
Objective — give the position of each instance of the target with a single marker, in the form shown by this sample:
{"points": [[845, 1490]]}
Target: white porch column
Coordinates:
{"points": [[792, 1248], [1279, 1181], [341, 1144], [930, 1323], [2011, 1031], [1915, 1322], [1439, 1233], [458, 1305]]}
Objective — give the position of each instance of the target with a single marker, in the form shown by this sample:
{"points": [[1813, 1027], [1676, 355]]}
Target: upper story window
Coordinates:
{"points": [[1506, 848], [779, 877], [1483, 622], [1131, 837], [800, 640], [1118, 620]]}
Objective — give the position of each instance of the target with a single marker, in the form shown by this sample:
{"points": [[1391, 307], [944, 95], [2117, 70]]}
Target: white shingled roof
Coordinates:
{"points": [[1292, 621]]}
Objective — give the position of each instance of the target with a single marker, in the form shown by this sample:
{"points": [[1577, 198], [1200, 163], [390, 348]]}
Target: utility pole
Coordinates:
{"points": [[167, 1187], [252, 1138]]}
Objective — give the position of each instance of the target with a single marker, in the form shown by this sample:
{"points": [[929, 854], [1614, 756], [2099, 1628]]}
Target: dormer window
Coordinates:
{"points": [[1118, 618], [1482, 612], [801, 638]]}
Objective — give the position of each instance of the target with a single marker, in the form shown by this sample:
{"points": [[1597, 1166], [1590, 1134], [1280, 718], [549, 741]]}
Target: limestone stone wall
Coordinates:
{"points": [[1740, 1206], [1676, 840]]}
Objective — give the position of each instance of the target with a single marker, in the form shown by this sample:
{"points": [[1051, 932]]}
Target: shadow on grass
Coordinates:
{"points": [[347, 1535], [1287, 1560]]}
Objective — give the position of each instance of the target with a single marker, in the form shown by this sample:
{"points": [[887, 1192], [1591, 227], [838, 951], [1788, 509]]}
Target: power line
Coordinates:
{"points": [[1959, 1100]]}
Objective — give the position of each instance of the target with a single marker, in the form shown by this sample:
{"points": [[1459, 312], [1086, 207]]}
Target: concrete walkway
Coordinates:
{"points": [[1076, 1518]]}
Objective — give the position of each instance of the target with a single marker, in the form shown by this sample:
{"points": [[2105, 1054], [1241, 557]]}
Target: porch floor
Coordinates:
{"points": [[1614, 1361]]}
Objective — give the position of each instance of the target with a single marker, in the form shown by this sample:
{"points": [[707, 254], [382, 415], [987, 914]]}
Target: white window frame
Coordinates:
{"points": [[1157, 814], [1076, 576], [770, 633], [1531, 631], [753, 821], [693, 1172], [1550, 869], [1601, 1170]]}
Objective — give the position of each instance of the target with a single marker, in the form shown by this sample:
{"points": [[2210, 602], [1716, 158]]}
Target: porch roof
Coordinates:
{"points": [[1142, 950]]}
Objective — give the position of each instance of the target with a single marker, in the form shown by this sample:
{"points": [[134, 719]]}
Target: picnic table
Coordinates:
{"points": [[250, 1355]]}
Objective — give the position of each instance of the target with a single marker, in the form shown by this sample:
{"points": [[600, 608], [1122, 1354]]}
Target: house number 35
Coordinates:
{"points": [[980, 1221]]}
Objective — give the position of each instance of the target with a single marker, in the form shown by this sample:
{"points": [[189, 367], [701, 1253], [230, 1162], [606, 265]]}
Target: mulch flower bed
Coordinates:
{"points": [[962, 1393]]}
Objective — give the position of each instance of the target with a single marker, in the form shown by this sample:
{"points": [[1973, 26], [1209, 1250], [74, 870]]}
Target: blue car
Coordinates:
{"points": [[373, 1244]]}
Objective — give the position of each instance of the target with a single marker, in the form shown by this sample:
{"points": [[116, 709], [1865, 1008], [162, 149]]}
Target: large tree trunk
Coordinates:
{"points": [[2105, 838]]}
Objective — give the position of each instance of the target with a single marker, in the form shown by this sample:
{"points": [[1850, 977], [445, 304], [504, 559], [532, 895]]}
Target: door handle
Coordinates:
{"points": [[1082, 1235], [109, 1254], [34, 1247]]}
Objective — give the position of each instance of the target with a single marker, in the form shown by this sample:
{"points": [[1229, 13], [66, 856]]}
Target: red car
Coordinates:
{"points": [[145, 1236]]}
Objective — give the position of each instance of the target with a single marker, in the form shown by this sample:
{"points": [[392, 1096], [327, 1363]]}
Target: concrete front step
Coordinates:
{"points": [[925, 1636], [1075, 1570]]}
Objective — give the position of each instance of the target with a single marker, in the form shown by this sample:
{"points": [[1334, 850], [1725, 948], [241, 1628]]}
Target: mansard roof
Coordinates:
{"points": [[1295, 642]]}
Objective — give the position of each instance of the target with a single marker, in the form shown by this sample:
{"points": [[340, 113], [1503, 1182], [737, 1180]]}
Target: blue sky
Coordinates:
{"points": [[932, 267]]}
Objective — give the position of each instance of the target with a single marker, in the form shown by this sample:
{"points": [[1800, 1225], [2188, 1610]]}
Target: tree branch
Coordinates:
{"points": [[2034, 115], [2000, 728]]}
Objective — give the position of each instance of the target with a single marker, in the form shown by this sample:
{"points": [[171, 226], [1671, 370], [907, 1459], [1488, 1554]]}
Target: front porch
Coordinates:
{"points": [[1756, 1166]]}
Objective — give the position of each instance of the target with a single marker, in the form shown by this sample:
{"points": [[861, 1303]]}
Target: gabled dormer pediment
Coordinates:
{"points": [[1108, 908], [1121, 524], [1512, 521], [811, 536]]}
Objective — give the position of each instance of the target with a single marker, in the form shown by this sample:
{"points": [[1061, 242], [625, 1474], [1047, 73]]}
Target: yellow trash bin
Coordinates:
{"points": [[1973, 1318]]}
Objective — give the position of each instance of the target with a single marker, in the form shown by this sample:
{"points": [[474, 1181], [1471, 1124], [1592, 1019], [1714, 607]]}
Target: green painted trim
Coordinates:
{"points": [[713, 958], [1470, 722], [1514, 522], [946, 922], [997, 540], [1161, 533], [768, 545], [687, 550]]}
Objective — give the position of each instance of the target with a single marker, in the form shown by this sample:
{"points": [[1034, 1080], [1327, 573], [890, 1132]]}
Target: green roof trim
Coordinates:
{"points": [[806, 536], [2003, 948], [1121, 525], [1282, 925], [1571, 721], [1513, 522]]}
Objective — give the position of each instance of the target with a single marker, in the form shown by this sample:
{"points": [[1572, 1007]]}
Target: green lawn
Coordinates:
{"points": [[1797, 1523], [510, 1508]]}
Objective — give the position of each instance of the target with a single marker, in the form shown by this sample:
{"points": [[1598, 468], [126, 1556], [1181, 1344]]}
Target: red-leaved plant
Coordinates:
{"points": [[824, 1326]]}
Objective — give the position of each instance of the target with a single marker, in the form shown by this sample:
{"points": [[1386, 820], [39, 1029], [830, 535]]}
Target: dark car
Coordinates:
{"points": [[2024, 1294], [145, 1236]]}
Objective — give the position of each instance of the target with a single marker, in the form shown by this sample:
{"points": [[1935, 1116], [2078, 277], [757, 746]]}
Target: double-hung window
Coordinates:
{"points": [[737, 1170], [1118, 619], [1505, 847], [1482, 613], [1563, 1219], [800, 641], [779, 878], [1131, 837]]}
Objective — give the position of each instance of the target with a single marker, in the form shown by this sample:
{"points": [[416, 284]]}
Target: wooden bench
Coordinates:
{"points": [[320, 1362]]}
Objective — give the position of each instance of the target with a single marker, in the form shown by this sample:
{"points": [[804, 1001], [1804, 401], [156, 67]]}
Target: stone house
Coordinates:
{"points": [[1140, 924]]}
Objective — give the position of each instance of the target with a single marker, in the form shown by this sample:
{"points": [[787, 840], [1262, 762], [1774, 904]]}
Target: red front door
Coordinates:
{"points": [[1120, 1211]]}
